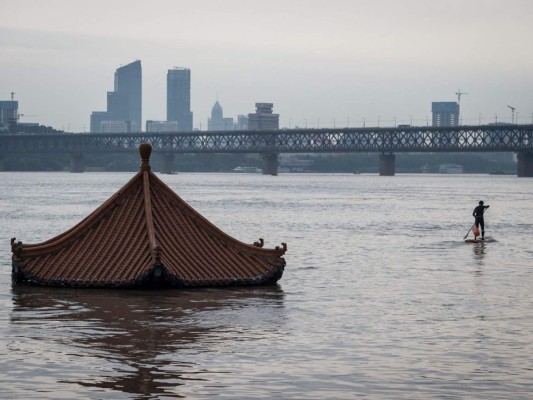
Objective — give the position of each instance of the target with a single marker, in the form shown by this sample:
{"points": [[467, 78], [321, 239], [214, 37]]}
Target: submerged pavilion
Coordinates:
{"points": [[145, 235]]}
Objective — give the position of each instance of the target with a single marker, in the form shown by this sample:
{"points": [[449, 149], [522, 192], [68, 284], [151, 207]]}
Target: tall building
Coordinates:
{"points": [[125, 102], [263, 119], [179, 98], [8, 114], [445, 113], [217, 122]]}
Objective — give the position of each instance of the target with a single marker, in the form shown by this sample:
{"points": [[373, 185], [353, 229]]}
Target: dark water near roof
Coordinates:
{"points": [[380, 299]]}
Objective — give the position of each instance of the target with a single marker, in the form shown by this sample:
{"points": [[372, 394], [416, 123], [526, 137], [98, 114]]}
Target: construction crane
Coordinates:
{"points": [[459, 94], [512, 114]]}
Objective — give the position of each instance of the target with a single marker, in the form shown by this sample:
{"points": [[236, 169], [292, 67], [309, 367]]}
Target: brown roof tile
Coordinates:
{"points": [[145, 235]]}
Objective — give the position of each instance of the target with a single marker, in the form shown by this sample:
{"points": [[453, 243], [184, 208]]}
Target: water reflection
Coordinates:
{"points": [[479, 251], [145, 339]]}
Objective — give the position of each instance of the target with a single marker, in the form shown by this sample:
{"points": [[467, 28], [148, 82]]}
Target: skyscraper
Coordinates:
{"points": [[8, 114], [217, 122], [179, 98], [125, 102], [445, 113]]}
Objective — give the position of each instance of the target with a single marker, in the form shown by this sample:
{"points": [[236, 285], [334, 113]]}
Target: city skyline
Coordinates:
{"points": [[321, 63]]}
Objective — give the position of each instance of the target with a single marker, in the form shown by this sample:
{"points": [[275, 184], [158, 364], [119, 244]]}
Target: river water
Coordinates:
{"points": [[380, 299]]}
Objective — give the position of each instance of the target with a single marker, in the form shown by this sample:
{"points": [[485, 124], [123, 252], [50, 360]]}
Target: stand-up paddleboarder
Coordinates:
{"points": [[480, 222]]}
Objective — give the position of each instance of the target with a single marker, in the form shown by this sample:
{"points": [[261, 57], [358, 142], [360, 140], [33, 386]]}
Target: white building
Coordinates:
{"points": [[115, 127], [161, 126]]}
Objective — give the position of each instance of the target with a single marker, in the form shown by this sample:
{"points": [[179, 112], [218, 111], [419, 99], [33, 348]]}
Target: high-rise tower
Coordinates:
{"points": [[8, 114], [217, 122], [179, 98], [125, 102], [445, 113]]}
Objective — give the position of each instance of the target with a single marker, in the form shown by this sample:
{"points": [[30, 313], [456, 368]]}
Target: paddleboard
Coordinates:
{"points": [[487, 240]]}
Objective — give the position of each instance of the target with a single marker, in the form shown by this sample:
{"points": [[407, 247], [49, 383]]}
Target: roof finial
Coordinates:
{"points": [[145, 149]]}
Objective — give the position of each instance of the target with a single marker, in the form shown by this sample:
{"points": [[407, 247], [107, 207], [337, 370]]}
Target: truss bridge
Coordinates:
{"points": [[385, 141]]}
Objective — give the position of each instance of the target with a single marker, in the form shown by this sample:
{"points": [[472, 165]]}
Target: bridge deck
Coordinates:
{"points": [[484, 138]]}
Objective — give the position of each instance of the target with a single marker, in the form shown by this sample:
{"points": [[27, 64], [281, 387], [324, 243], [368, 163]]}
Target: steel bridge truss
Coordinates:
{"points": [[515, 138]]}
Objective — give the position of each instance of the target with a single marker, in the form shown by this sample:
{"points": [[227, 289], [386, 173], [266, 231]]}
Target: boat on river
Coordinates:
{"points": [[145, 235], [247, 170], [450, 169]]}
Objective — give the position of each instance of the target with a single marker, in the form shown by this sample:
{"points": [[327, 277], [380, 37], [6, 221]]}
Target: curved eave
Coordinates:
{"points": [[108, 248], [174, 200], [66, 238]]}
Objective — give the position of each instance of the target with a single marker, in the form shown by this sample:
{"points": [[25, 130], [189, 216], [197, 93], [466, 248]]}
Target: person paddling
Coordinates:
{"points": [[478, 215]]}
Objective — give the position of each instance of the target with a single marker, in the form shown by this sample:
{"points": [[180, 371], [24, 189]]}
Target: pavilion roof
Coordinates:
{"points": [[145, 235]]}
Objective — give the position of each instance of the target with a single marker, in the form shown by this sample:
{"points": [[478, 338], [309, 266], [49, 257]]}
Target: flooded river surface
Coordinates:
{"points": [[380, 299]]}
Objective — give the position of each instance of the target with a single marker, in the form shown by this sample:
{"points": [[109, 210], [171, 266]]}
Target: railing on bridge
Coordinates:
{"points": [[484, 138]]}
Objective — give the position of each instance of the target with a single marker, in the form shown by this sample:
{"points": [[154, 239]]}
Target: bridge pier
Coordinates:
{"points": [[270, 164], [77, 163], [387, 164], [524, 168], [167, 163]]}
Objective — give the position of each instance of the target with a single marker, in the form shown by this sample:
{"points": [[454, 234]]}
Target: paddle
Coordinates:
{"points": [[469, 231]]}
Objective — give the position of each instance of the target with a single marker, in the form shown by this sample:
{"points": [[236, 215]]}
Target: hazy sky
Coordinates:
{"points": [[326, 62]]}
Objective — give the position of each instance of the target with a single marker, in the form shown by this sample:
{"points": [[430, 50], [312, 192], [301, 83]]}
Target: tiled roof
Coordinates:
{"points": [[145, 235]]}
